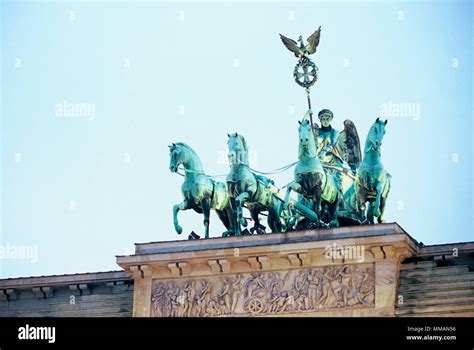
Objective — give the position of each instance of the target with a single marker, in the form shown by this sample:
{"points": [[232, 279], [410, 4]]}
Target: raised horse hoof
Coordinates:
{"points": [[178, 229], [193, 235]]}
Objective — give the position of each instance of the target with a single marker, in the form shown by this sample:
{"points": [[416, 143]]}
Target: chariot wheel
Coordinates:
{"points": [[255, 306]]}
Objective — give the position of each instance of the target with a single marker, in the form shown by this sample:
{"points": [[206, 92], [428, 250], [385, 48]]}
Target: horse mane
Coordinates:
{"points": [[189, 148], [242, 138], [191, 151], [244, 143]]}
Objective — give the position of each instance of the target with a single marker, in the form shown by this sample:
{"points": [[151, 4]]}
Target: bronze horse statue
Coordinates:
{"points": [[372, 182], [247, 188], [317, 187], [200, 192]]}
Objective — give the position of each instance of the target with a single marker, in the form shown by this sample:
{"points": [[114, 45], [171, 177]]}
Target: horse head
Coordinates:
{"points": [[376, 133], [305, 133], [307, 145], [238, 150], [176, 157], [181, 153]]}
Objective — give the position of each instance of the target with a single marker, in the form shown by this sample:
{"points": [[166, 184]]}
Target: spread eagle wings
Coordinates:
{"points": [[313, 41], [291, 45], [349, 145], [310, 48]]}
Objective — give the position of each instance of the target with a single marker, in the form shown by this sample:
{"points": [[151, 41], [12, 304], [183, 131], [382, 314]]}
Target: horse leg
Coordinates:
{"points": [[224, 218], [181, 206], [274, 219], [277, 212], [378, 194], [206, 211], [292, 186], [370, 213], [380, 218], [257, 227], [289, 187], [333, 212], [360, 202], [383, 202], [231, 210], [318, 191], [240, 200]]}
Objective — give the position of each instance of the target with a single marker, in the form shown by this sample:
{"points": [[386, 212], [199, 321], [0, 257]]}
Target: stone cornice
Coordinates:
{"points": [[257, 249], [76, 279]]}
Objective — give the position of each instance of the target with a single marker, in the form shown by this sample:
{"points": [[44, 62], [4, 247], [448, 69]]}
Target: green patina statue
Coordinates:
{"points": [[372, 182], [200, 192], [335, 186], [250, 189], [327, 138], [318, 187]]}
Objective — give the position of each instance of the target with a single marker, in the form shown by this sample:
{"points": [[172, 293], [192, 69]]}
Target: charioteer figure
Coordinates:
{"points": [[327, 140]]}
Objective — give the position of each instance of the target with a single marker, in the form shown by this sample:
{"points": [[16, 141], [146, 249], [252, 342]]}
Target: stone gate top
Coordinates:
{"points": [[327, 272]]}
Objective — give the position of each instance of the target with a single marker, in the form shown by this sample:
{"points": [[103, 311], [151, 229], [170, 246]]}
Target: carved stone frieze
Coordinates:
{"points": [[266, 293]]}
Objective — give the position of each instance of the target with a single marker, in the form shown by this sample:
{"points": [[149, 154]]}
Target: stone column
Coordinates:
{"points": [[142, 290], [387, 270]]}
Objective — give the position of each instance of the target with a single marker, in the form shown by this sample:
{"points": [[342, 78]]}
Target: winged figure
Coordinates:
{"points": [[298, 48], [349, 145]]}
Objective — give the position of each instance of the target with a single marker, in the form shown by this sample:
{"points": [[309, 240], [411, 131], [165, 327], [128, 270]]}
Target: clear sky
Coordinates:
{"points": [[82, 188]]}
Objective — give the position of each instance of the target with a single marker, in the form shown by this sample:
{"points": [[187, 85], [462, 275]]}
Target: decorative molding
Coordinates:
{"points": [[8, 294], [378, 252], [80, 289], [264, 261], [225, 265], [254, 263], [214, 264], [43, 292], [142, 271]]}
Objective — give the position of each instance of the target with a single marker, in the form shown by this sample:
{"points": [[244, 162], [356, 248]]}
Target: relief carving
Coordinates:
{"points": [[266, 293]]}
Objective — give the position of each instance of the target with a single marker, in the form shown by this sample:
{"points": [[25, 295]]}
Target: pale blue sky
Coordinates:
{"points": [[84, 189]]}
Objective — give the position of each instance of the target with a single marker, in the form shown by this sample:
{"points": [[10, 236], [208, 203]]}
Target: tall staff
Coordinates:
{"points": [[305, 72]]}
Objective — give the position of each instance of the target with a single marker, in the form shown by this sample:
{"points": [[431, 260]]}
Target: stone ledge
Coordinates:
{"points": [[95, 277], [380, 240], [267, 239]]}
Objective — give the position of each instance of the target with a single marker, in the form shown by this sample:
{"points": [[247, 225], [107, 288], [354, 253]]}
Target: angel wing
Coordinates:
{"points": [[313, 41], [349, 145], [291, 45]]}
